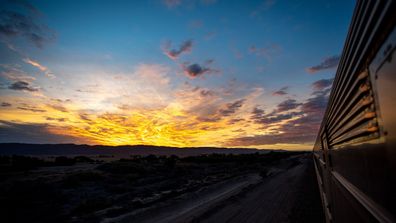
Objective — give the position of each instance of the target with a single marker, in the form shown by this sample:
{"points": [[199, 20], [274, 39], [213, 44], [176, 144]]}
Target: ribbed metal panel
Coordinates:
{"points": [[351, 115], [353, 120]]}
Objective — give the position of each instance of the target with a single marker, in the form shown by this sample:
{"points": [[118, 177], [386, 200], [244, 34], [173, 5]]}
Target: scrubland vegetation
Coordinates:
{"points": [[81, 189]]}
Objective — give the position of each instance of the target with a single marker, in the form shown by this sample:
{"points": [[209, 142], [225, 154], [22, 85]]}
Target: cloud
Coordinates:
{"points": [[14, 24], [195, 24], [42, 68], [35, 64], [172, 3], [196, 70], [269, 139], [208, 2], [322, 84], [56, 119], [266, 52], [22, 86], [287, 105], [210, 35], [327, 63], [31, 108], [58, 107], [300, 127], [264, 6], [206, 92], [273, 118], [33, 133], [209, 119], [281, 92], [231, 108], [190, 3], [173, 54], [27, 5], [257, 113], [235, 120], [6, 104], [60, 100], [259, 116], [85, 117], [316, 105], [13, 73]]}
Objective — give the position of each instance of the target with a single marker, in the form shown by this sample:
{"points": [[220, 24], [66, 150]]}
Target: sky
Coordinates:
{"points": [[184, 73]]}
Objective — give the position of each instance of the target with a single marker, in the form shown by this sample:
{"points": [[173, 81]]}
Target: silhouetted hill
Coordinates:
{"points": [[72, 149]]}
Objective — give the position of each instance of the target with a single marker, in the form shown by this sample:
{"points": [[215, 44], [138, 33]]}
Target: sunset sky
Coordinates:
{"points": [[168, 73]]}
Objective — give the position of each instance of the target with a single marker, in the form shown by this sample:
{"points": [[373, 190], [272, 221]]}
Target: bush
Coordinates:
{"points": [[64, 161], [91, 205]]}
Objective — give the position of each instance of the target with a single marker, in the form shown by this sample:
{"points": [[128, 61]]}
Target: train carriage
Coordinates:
{"points": [[355, 150]]}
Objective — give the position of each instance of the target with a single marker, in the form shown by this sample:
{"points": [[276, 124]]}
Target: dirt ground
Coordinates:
{"points": [[271, 187], [288, 194]]}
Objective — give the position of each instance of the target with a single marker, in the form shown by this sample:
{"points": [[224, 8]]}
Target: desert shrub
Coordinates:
{"points": [[24, 163], [83, 159], [91, 204], [76, 179], [64, 161], [123, 167], [4, 160], [264, 173], [114, 212], [170, 162]]}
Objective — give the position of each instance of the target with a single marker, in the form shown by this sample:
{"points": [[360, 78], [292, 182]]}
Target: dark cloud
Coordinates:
{"points": [[303, 128], [281, 92], [235, 120], [173, 54], [322, 84], [84, 117], [209, 119], [6, 104], [287, 105], [58, 107], [31, 108], [32, 133], [327, 63], [14, 24], [260, 117], [225, 110], [56, 119], [257, 114], [316, 105], [196, 70], [60, 100], [231, 108], [206, 93], [266, 52], [22, 86], [273, 118]]}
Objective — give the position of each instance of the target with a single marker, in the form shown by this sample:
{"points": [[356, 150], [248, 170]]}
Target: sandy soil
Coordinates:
{"points": [[288, 194]]}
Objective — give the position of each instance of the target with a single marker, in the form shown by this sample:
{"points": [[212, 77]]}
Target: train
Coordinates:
{"points": [[355, 149]]}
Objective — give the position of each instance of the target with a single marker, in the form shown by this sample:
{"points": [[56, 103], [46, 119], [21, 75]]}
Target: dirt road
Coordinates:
{"points": [[288, 194], [286, 197]]}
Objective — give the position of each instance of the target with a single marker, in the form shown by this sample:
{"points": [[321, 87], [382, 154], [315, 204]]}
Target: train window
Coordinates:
{"points": [[385, 80]]}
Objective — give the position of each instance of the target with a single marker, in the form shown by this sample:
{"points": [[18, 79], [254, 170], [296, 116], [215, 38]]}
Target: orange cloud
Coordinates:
{"points": [[42, 68]]}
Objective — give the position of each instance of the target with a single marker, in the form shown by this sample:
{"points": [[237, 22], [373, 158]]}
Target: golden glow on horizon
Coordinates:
{"points": [[163, 127], [143, 108]]}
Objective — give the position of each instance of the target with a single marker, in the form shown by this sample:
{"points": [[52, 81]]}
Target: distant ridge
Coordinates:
{"points": [[73, 149]]}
